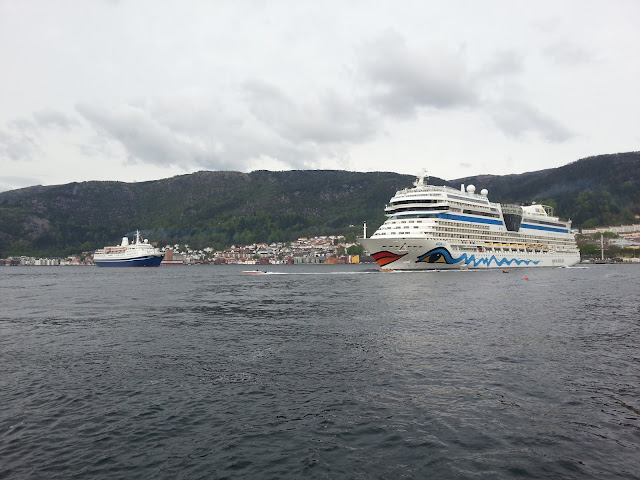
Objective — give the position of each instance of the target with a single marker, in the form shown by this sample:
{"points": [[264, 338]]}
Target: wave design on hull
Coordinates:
{"points": [[385, 257], [442, 255]]}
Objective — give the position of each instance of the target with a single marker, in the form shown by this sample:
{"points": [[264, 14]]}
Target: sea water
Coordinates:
{"points": [[319, 372]]}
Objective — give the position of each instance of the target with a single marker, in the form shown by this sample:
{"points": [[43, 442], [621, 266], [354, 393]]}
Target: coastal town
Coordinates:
{"points": [[316, 250]]}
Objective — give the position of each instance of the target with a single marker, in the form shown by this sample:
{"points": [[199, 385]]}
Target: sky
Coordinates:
{"points": [[137, 90]]}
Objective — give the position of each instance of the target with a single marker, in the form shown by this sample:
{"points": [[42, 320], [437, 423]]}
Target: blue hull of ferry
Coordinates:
{"points": [[133, 262]]}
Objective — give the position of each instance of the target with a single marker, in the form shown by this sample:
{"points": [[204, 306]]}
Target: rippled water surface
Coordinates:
{"points": [[319, 372]]}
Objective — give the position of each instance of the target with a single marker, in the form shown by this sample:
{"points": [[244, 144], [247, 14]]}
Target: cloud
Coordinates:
{"points": [[17, 145], [144, 137], [49, 118], [327, 119], [516, 119], [40, 121], [236, 131], [503, 62], [21, 140], [568, 54], [406, 80]]}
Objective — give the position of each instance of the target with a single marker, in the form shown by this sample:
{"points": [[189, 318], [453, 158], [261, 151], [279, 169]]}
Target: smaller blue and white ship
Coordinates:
{"points": [[140, 253]]}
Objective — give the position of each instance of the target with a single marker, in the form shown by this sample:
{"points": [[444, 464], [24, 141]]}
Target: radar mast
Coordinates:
{"points": [[422, 179]]}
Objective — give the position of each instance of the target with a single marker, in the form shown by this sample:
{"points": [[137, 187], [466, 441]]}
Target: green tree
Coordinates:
{"points": [[589, 250], [350, 237]]}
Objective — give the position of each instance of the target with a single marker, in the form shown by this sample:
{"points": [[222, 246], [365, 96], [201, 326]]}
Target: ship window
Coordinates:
{"points": [[484, 214]]}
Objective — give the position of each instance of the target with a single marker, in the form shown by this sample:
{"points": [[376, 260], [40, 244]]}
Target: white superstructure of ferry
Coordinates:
{"points": [[439, 227]]}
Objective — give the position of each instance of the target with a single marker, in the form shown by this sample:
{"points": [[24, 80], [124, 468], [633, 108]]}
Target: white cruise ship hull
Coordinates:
{"points": [[425, 254]]}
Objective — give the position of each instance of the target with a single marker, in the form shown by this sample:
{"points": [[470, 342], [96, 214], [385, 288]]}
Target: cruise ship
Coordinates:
{"points": [[137, 254], [439, 227]]}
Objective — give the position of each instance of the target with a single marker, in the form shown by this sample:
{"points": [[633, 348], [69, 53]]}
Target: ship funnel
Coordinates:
{"points": [[462, 187], [125, 242]]}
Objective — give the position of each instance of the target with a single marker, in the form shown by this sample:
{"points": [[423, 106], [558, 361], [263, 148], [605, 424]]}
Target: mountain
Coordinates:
{"points": [[202, 209], [222, 208], [595, 191]]}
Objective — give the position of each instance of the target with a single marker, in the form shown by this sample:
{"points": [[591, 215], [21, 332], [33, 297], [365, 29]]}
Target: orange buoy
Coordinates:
{"points": [[526, 278]]}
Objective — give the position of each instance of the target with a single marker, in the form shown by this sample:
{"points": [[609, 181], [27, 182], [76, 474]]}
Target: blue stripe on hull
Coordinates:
{"points": [[464, 218], [134, 262], [542, 227]]}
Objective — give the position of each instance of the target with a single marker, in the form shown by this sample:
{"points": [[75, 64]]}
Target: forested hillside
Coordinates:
{"points": [[595, 191], [202, 209], [222, 208]]}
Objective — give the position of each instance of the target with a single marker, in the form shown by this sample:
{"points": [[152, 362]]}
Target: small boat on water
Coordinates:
{"points": [[254, 272], [140, 253]]}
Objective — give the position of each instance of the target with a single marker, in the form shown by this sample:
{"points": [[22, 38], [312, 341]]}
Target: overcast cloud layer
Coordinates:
{"points": [[140, 90]]}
